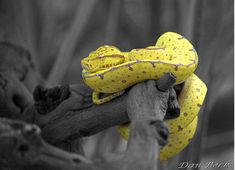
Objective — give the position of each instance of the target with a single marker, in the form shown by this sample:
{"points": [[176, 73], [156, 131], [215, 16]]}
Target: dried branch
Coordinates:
{"points": [[77, 116], [18, 77], [22, 146]]}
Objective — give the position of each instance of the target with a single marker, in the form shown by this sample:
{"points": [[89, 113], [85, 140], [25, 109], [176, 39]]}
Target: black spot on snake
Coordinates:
{"points": [[176, 67], [179, 128], [199, 105]]}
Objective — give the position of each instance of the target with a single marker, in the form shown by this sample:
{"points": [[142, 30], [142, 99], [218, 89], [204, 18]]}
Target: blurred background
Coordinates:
{"points": [[59, 33]]}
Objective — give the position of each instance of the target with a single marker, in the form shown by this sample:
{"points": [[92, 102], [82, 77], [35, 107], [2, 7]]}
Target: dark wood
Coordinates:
{"points": [[22, 147], [77, 116], [21, 144], [166, 81], [173, 109], [18, 77]]}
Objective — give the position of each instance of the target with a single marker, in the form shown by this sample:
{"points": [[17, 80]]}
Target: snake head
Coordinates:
{"points": [[103, 58]]}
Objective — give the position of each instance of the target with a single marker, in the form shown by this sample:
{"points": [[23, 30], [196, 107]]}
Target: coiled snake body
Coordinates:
{"points": [[110, 71]]}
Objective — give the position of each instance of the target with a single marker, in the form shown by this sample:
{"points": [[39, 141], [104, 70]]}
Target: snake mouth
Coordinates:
{"points": [[102, 62], [86, 66], [96, 67]]}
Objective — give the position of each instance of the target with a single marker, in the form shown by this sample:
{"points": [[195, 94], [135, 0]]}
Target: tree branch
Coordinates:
{"points": [[77, 116], [22, 146]]}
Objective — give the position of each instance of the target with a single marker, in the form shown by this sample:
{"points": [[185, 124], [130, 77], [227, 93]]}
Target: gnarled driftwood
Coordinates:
{"points": [[146, 106]]}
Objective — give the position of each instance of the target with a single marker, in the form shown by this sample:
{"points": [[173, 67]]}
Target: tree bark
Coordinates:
{"points": [[146, 105]]}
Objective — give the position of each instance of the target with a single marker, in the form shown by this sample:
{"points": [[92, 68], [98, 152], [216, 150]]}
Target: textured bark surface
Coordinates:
{"points": [[76, 116], [22, 146]]}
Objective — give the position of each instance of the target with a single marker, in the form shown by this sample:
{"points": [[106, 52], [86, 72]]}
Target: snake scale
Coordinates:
{"points": [[110, 71]]}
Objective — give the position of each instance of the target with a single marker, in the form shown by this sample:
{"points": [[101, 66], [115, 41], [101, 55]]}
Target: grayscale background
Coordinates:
{"points": [[62, 32]]}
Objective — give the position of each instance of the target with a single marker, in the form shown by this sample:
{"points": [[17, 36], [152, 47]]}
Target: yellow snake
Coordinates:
{"points": [[109, 70], [182, 128]]}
